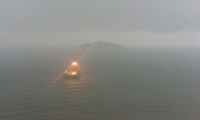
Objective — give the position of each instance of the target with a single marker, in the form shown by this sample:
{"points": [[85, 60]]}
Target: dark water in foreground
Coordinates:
{"points": [[136, 85]]}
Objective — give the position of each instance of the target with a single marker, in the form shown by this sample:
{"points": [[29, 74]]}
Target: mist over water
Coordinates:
{"points": [[140, 84]]}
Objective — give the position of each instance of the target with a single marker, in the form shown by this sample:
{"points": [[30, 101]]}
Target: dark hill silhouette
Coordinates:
{"points": [[91, 55], [101, 46], [97, 51]]}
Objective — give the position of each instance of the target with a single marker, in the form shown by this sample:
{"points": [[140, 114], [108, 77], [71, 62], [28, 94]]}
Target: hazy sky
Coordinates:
{"points": [[160, 23]]}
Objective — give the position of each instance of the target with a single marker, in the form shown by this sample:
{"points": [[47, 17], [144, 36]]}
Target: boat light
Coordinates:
{"points": [[74, 63]]}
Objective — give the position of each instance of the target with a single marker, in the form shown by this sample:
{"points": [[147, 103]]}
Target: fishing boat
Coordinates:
{"points": [[73, 70]]}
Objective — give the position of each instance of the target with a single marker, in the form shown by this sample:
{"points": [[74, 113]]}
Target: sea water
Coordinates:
{"points": [[137, 84]]}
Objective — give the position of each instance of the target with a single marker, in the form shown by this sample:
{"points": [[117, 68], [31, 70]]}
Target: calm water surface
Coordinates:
{"points": [[136, 85]]}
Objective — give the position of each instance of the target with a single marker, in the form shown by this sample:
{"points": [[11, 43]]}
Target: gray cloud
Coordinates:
{"points": [[153, 23], [109, 15]]}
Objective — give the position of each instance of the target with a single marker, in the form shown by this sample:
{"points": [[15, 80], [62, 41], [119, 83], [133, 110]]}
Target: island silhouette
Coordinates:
{"points": [[97, 51], [101, 46]]}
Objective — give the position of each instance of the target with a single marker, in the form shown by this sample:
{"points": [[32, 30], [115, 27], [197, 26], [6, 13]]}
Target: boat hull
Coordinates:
{"points": [[72, 71], [71, 76]]}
